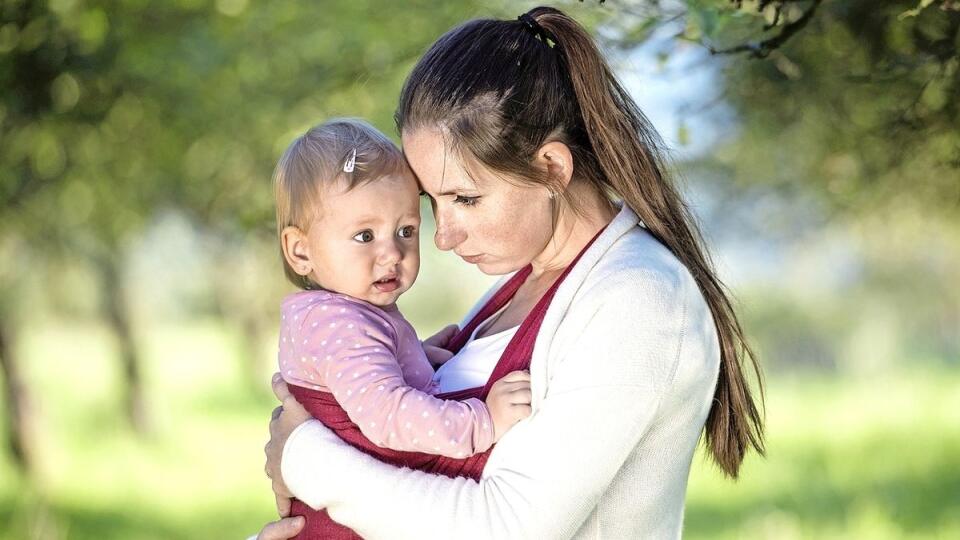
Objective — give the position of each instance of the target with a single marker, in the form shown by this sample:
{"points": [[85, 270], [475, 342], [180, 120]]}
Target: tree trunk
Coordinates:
{"points": [[251, 353], [118, 317], [19, 422], [244, 323], [239, 305]]}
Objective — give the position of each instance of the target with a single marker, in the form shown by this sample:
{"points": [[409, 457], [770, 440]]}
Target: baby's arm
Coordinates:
{"points": [[356, 360]]}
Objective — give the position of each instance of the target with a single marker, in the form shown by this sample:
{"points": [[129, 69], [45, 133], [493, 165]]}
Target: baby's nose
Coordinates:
{"points": [[391, 254]]}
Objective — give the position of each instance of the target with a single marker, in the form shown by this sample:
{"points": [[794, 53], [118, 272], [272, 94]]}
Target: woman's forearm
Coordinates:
{"points": [[525, 491], [377, 500], [535, 484]]}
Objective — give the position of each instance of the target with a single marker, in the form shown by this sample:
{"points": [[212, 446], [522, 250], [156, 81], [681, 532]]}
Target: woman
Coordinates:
{"points": [[523, 139]]}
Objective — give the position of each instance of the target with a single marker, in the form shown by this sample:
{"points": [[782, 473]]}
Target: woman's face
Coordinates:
{"points": [[483, 218]]}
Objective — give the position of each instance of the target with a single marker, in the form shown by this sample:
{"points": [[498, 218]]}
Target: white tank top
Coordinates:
{"points": [[472, 366]]}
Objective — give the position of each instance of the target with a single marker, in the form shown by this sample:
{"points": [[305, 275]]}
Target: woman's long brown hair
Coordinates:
{"points": [[499, 90]]}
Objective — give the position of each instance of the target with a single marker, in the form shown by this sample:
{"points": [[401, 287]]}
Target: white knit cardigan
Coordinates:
{"points": [[623, 375]]}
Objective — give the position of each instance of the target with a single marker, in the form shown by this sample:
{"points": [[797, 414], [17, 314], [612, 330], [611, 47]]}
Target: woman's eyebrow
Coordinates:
{"points": [[453, 191]]}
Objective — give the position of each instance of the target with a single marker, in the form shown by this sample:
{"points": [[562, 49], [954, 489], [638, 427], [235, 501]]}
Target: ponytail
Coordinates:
{"points": [[629, 154], [502, 89]]}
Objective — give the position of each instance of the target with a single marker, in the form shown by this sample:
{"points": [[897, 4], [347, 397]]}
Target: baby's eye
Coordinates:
{"points": [[407, 232], [363, 237]]}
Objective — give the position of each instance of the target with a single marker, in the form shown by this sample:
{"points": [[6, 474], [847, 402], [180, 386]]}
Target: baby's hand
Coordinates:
{"points": [[509, 401], [443, 337], [436, 355], [435, 346]]}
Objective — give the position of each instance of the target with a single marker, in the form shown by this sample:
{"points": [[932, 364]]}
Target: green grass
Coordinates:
{"points": [[874, 457]]}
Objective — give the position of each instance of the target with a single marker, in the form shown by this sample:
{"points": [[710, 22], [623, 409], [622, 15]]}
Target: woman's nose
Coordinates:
{"points": [[447, 237]]}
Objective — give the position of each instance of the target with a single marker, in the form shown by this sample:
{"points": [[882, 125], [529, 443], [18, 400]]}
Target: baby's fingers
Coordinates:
{"points": [[515, 376], [521, 411], [520, 396], [507, 387]]}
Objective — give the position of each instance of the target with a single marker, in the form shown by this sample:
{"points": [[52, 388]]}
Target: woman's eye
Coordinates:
{"points": [[363, 237], [466, 201], [407, 232]]}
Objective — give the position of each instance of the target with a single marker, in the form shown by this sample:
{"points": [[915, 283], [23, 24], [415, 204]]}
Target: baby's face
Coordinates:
{"points": [[366, 241]]}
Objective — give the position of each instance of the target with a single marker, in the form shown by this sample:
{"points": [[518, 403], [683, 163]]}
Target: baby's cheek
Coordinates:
{"points": [[412, 264]]}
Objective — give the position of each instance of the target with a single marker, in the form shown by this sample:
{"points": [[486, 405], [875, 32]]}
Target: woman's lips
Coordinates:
{"points": [[472, 259]]}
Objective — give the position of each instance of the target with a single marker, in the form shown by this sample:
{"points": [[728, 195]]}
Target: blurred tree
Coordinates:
{"points": [[857, 97], [849, 113], [860, 113], [18, 436], [113, 110]]}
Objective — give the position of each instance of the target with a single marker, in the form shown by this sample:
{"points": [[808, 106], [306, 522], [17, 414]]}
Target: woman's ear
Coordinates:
{"points": [[295, 250], [556, 158]]}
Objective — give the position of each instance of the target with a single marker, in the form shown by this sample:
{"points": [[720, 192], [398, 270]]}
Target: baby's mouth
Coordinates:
{"points": [[387, 284]]}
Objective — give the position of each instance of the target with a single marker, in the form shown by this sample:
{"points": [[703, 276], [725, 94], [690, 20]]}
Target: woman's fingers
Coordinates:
{"points": [[284, 420], [279, 488], [280, 388], [282, 529], [283, 505], [291, 408]]}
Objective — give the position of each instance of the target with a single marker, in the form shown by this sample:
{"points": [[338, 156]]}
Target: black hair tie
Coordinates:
{"points": [[538, 31]]}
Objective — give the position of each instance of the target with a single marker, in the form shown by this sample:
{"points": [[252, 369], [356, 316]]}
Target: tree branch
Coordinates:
{"points": [[763, 48]]}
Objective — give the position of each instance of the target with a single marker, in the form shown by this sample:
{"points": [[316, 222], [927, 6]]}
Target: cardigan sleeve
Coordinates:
{"points": [[548, 472]]}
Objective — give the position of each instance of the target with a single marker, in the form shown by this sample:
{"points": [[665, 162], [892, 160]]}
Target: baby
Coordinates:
{"points": [[348, 218]]}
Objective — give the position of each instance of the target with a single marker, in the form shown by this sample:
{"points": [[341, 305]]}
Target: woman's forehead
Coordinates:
{"points": [[438, 168]]}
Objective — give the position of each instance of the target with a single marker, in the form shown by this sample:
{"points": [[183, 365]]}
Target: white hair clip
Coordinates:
{"points": [[349, 165]]}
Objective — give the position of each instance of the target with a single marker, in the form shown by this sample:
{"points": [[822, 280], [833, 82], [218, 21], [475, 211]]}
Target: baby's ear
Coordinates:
{"points": [[295, 252]]}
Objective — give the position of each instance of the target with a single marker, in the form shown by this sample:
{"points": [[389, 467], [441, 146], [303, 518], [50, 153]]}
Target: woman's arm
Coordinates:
{"points": [[602, 398]]}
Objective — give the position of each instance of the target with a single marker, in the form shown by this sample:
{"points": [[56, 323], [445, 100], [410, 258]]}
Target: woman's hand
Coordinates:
{"points": [[282, 529], [284, 420], [435, 346]]}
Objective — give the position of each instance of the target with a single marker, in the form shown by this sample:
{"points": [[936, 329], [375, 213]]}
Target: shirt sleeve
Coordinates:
{"points": [[356, 359], [603, 398]]}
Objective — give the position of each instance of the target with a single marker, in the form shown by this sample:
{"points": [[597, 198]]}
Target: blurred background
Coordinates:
{"points": [[140, 281]]}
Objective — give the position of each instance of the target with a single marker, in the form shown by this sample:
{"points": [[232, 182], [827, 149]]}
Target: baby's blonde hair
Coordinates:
{"points": [[317, 158]]}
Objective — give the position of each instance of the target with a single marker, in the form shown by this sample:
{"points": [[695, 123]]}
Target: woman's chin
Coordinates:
{"points": [[495, 269]]}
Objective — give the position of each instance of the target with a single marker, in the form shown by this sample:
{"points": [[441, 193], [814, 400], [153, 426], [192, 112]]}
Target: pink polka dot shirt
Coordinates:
{"points": [[372, 362]]}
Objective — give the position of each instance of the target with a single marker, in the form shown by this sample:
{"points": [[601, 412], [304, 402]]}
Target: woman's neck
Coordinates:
{"points": [[572, 232]]}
